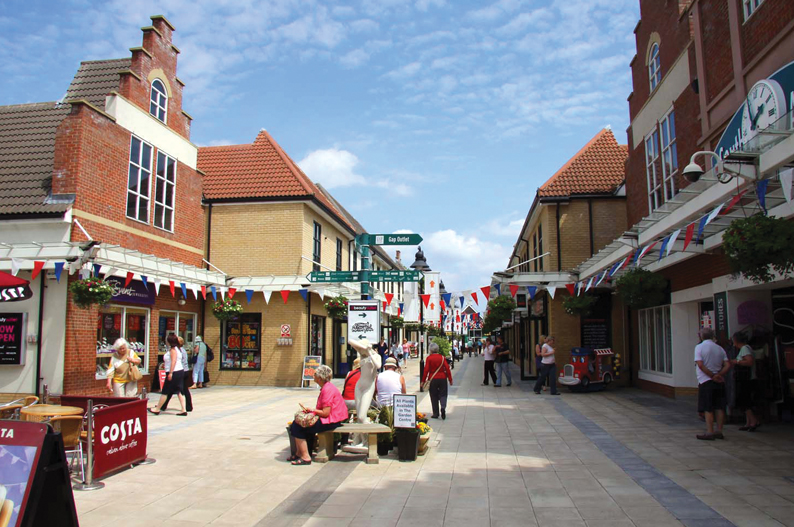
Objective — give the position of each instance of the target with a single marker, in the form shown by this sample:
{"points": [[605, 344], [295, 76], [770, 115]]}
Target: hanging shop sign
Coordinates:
{"points": [[12, 338], [363, 320], [767, 101], [13, 289], [135, 293]]}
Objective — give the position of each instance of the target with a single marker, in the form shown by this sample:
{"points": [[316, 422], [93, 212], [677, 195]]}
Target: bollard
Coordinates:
{"points": [[45, 395], [89, 483]]}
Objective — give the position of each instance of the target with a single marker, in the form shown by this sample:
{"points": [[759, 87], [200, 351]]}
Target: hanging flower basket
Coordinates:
{"points": [[226, 309], [640, 288], [90, 291], [579, 305], [397, 322], [336, 307], [759, 245]]}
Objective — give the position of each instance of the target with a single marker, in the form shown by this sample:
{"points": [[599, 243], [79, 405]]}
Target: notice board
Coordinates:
{"points": [[404, 411], [12, 338]]}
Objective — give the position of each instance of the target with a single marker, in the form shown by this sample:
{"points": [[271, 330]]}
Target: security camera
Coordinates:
{"points": [[692, 172]]}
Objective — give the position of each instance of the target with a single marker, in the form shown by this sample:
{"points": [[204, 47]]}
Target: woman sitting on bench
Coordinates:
{"points": [[331, 410]]}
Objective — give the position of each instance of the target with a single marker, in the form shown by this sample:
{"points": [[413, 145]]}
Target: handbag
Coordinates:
{"points": [[426, 384], [305, 419], [134, 374]]}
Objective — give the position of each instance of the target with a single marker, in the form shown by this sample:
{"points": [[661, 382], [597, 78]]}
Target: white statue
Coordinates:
{"points": [[370, 363]]}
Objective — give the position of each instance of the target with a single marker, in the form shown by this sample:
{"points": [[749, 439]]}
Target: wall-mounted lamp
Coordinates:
{"points": [[693, 172]]}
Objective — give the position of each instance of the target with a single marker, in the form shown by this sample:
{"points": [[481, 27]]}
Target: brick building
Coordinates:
{"points": [[718, 76], [104, 181], [578, 211], [269, 226]]}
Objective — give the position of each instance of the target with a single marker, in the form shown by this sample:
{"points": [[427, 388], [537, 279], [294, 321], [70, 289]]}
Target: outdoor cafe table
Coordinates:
{"points": [[41, 412]]}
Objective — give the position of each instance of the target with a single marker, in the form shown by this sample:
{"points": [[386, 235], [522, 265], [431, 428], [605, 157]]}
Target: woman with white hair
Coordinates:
{"points": [[331, 410], [118, 373]]}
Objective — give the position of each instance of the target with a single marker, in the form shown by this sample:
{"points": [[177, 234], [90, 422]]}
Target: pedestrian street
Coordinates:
{"points": [[504, 456]]}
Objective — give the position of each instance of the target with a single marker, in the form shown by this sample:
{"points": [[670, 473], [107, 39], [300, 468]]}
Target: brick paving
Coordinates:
{"points": [[503, 457]]}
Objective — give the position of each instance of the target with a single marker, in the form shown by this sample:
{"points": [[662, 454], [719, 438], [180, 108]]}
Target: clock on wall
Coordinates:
{"points": [[765, 104]]}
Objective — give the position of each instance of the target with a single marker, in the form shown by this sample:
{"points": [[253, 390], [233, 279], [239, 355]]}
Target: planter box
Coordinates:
{"points": [[423, 444], [407, 445]]}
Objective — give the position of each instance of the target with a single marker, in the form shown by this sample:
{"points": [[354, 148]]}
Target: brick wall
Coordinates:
{"points": [[716, 33], [700, 270], [768, 20]]}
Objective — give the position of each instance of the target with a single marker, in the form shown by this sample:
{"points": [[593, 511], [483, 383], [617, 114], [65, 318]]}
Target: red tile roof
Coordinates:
{"points": [[598, 168], [259, 170]]}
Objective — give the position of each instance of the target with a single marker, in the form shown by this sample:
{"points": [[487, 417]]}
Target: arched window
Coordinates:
{"points": [[654, 66], [158, 105]]}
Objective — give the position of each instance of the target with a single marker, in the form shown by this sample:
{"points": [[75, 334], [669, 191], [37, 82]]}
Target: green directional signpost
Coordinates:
{"points": [[319, 277], [365, 240]]}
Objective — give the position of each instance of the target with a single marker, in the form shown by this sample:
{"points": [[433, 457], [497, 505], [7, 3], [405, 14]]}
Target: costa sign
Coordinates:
{"points": [[120, 431], [121, 435]]}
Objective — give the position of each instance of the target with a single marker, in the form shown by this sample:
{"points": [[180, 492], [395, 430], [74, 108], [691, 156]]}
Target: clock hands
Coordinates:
{"points": [[754, 120], [750, 111]]}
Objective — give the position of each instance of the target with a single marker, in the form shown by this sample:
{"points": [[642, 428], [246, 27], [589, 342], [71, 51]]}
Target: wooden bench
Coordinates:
{"points": [[325, 440]]}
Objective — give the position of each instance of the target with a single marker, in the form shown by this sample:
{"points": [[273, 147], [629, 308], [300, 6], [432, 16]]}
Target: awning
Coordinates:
{"points": [[13, 289]]}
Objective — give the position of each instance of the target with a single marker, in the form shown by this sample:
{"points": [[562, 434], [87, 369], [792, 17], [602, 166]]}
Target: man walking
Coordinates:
{"points": [[712, 364], [502, 354], [548, 367], [489, 359]]}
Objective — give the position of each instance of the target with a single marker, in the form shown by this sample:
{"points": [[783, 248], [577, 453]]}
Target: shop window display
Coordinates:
{"points": [[242, 349], [180, 323], [131, 323], [318, 335]]}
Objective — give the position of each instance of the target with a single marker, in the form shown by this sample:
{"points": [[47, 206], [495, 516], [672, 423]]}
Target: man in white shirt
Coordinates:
{"points": [[712, 364], [489, 356]]}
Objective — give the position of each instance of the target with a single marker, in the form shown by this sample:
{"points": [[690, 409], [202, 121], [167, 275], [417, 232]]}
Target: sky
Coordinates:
{"points": [[428, 116]]}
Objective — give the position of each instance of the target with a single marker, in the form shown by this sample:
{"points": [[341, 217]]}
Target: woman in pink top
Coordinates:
{"points": [[331, 410]]}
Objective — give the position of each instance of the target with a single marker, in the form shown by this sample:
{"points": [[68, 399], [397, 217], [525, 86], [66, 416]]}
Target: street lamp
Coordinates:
{"points": [[420, 264]]}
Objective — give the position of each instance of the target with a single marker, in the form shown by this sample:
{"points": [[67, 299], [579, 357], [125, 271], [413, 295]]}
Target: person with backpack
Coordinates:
{"points": [[200, 349]]}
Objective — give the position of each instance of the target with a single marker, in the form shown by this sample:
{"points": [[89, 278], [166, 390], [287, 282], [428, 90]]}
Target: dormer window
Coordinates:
{"points": [[654, 66], [158, 106]]}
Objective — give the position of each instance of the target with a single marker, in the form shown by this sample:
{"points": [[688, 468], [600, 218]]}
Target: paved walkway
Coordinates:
{"points": [[503, 457]]}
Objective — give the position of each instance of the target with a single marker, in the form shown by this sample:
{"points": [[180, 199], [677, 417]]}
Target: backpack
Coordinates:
{"points": [[210, 354]]}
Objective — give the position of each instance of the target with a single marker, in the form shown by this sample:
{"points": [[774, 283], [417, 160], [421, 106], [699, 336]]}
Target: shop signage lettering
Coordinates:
{"points": [[733, 137], [121, 436], [112, 432], [404, 411], [7, 433], [12, 338], [135, 293], [310, 364]]}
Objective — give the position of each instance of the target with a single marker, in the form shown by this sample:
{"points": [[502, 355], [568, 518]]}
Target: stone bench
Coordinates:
{"points": [[325, 440]]}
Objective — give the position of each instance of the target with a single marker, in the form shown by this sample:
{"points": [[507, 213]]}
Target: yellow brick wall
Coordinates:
{"points": [[574, 233], [609, 221], [330, 233]]}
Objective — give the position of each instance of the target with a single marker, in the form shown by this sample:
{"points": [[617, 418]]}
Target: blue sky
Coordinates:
{"points": [[427, 116]]}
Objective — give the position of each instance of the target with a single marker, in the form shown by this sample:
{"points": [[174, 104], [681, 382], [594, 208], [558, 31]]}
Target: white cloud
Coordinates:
{"points": [[405, 72], [332, 168], [354, 59], [424, 5], [465, 261]]}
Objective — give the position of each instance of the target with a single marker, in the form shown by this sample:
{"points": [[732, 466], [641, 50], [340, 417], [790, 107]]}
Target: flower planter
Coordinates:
{"points": [[423, 444], [407, 445], [383, 448]]}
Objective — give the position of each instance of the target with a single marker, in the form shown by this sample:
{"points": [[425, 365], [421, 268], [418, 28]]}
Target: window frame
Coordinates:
{"points": [[656, 340], [652, 170], [339, 254], [139, 167], [540, 247], [317, 246], [162, 95], [654, 66], [749, 7], [157, 177], [668, 180], [144, 366], [242, 318]]}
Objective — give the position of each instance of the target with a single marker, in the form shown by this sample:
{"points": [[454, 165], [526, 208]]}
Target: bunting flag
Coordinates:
{"points": [[37, 267], [486, 291], [85, 274], [531, 289], [284, 295], [589, 284], [498, 289], [194, 288], [664, 246], [156, 286], [637, 257], [447, 298], [128, 279], [58, 271], [701, 225], [513, 290], [785, 182], [474, 296], [232, 291], [571, 289], [383, 304], [183, 287], [204, 291], [625, 262], [97, 267], [443, 305], [647, 249], [462, 300], [690, 232], [145, 280], [389, 298], [304, 293], [171, 286], [601, 278], [249, 295], [614, 268], [402, 306], [321, 293], [551, 288], [214, 293], [16, 263], [425, 300], [110, 272], [714, 213], [672, 238], [267, 294], [734, 200], [760, 190]]}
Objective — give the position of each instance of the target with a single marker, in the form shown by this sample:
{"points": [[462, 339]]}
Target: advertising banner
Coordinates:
{"points": [[311, 363], [20, 448], [432, 313], [12, 338], [120, 435], [135, 293], [363, 320]]}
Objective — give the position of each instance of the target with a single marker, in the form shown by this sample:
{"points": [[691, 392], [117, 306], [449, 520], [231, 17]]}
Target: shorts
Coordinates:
{"points": [[711, 396]]}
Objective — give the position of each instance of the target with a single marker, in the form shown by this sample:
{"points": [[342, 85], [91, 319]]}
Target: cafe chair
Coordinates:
{"points": [[84, 428], [10, 411], [69, 427], [30, 400]]}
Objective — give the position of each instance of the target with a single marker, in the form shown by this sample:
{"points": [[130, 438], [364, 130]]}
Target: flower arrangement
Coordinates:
{"points": [[386, 417], [93, 290], [579, 305], [640, 288], [336, 307], [397, 322], [423, 429], [226, 308], [758, 245]]}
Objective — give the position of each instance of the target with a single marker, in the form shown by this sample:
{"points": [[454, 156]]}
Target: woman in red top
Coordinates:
{"points": [[349, 390], [437, 370]]}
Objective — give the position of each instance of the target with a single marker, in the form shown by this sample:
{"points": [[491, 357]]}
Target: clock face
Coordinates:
{"points": [[764, 106]]}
